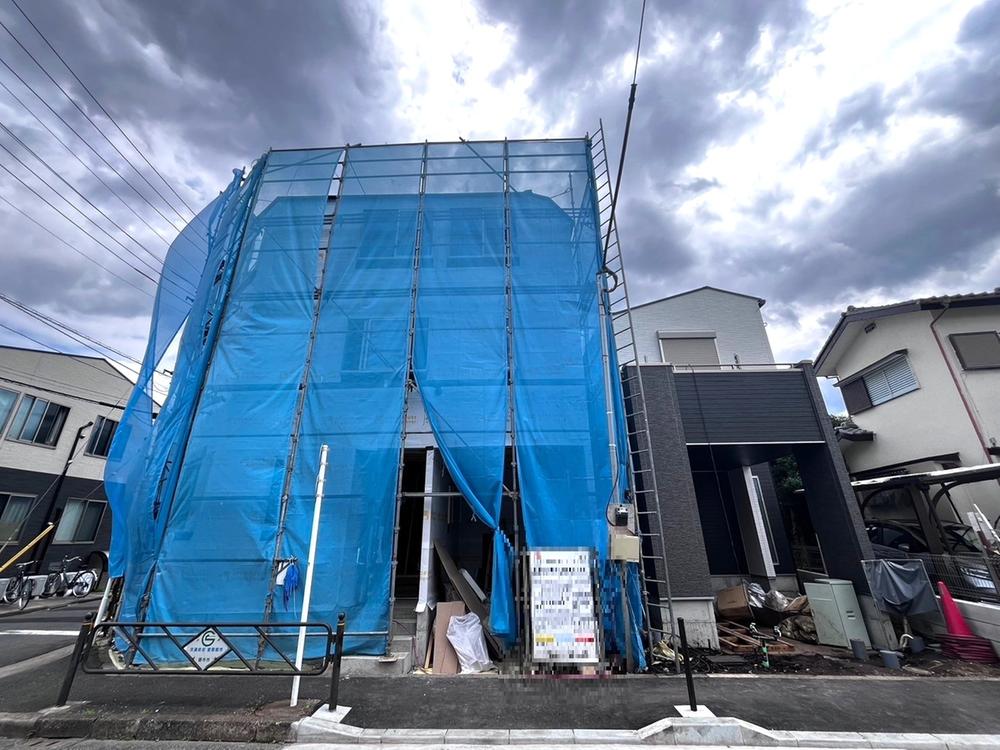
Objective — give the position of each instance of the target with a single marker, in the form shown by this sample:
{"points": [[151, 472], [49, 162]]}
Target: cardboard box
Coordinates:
{"points": [[732, 604]]}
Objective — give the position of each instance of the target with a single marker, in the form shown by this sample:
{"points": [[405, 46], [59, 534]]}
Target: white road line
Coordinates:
{"points": [[61, 633]]}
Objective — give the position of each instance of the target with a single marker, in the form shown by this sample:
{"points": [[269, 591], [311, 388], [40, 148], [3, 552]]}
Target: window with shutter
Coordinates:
{"points": [[977, 351], [689, 351], [856, 396], [892, 379]]}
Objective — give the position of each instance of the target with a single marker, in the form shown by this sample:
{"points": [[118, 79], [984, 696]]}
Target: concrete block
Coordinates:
{"points": [[371, 736], [311, 729], [970, 741], [718, 731], [477, 737], [606, 737], [413, 737], [541, 737], [657, 733], [906, 740], [830, 739]]}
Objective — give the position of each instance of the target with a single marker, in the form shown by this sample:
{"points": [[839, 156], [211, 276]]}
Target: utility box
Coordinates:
{"points": [[836, 612], [626, 547]]}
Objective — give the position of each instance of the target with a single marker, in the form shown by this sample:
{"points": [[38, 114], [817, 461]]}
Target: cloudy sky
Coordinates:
{"points": [[817, 154]]}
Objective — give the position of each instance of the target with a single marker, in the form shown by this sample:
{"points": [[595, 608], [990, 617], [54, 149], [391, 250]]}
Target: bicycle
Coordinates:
{"points": [[19, 588], [58, 582]]}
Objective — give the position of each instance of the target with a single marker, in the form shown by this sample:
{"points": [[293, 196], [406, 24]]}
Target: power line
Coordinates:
{"points": [[76, 336], [101, 106], [87, 218], [62, 179], [84, 164], [86, 143], [82, 229], [91, 121], [75, 249]]}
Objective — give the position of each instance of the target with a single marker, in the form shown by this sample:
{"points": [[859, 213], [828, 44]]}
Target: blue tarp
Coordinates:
{"points": [[299, 334]]}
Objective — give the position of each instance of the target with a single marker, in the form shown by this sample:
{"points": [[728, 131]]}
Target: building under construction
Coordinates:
{"points": [[451, 320]]}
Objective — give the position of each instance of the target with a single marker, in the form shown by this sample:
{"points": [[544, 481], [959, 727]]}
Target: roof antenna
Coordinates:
{"points": [[628, 124]]}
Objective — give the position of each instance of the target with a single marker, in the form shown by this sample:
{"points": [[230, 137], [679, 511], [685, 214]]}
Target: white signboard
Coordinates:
{"points": [[564, 627], [206, 648]]}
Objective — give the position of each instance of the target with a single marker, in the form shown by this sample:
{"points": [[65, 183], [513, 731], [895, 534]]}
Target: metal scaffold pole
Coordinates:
{"points": [[296, 432], [515, 489], [409, 386]]}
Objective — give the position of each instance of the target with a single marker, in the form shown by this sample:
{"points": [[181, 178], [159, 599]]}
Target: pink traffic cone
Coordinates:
{"points": [[953, 619]]}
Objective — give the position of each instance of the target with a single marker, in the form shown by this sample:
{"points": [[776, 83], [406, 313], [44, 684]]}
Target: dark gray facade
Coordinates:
{"points": [[705, 426]]}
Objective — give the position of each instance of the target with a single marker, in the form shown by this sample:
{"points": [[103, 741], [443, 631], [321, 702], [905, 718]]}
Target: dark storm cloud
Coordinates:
{"points": [[680, 109], [201, 88]]}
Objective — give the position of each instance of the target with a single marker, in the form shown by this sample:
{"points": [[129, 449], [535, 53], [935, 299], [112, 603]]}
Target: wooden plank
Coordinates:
{"points": [[445, 658]]}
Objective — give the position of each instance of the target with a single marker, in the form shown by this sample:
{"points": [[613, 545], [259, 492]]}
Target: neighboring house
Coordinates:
{"points": [[702, 326], [58, 413], [721, 411], [921, 380]]}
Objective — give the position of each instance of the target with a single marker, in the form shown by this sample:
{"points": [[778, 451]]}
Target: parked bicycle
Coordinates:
{"points": [[19, 587], [80, 583]]}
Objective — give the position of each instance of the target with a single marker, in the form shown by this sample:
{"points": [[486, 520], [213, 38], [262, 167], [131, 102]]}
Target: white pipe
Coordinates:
{"points": [[310, 565]]}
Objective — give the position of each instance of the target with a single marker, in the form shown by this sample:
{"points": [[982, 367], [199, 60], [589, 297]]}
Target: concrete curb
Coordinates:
{"points": [[52, 725], [323, 729]]}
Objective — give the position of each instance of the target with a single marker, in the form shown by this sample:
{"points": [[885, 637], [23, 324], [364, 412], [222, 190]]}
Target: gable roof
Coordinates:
{"points": [[760, 301], [860, 314]]}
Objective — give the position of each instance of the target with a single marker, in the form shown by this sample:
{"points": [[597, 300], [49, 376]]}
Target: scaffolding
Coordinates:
{"points": [[344, 282]]}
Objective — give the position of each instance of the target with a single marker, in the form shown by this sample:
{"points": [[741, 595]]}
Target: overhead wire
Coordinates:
{"points": [[109, 235], [89, 119], [82, 339], [75, 249], [84, 164], [87, 143], [101, 106]]}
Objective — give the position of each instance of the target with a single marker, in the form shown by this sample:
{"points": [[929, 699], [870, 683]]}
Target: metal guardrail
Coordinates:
{"points": [[205, 649]]}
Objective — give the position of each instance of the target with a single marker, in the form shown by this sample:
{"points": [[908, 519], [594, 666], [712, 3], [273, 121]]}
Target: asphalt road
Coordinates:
{"points": [[45, 626]]}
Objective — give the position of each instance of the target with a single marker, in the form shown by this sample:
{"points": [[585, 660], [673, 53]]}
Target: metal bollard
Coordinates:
{"points": [[79, 651], [692, 701], [337, 654]]}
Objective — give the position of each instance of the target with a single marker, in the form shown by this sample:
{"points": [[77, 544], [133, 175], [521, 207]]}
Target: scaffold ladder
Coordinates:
{"points": [[642, 485]]}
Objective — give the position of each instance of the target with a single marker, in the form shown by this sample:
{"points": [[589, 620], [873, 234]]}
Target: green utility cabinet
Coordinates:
{"points": [[836, 612]]}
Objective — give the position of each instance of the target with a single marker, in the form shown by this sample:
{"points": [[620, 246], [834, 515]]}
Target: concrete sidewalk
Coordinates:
{"points": [[255, 708]]}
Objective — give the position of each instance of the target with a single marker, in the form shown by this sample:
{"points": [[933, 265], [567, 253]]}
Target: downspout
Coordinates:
{"points": [[959, 386], [57, 487]]}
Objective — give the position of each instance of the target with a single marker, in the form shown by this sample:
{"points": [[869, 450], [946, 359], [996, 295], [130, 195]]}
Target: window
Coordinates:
{"points": [[100, 437], [882, 382], [14, 510], [7, 401], [38, 421], [977, 351], [689, 350], [759, 492], [80, 521]]}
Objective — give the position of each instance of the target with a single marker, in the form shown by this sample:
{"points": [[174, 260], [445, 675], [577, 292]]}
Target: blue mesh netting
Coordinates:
{"points": [[299, 335], [460, 353]]}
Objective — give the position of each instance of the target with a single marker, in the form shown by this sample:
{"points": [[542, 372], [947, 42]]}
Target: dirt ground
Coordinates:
{"points": [[811, 659]]}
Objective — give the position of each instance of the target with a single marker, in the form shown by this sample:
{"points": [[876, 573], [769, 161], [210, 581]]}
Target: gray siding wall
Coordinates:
{"points": [[745, 406], [685, 546]]}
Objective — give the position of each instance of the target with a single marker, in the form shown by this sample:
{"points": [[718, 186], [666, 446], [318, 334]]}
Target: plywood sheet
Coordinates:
{"points": [[445, 658]]}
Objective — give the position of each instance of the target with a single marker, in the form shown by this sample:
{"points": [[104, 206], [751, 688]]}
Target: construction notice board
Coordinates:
{"points": [[564, 626]]}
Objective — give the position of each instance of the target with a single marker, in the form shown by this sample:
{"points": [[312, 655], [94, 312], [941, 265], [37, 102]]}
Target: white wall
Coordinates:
{"points": [[736, 320], [76, 383], [931, 420]]}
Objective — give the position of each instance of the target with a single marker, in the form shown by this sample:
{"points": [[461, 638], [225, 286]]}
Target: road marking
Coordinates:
{"points": [[62, 633], [35, 662]]}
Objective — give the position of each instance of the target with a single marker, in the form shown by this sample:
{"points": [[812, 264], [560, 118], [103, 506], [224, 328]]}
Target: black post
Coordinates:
{"points": [[338, 652], [74, 661], [687, 665]]}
